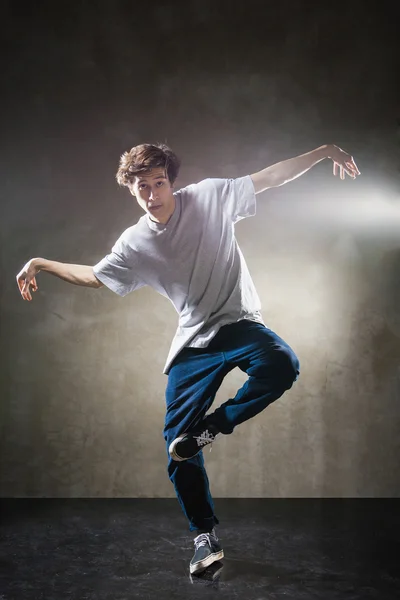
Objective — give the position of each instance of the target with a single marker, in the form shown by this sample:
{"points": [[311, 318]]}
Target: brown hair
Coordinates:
{"points": [[143, 158]]}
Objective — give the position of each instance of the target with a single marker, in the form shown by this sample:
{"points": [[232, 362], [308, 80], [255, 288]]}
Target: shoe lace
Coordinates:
{"points": [[202, 540], [204, 438]]}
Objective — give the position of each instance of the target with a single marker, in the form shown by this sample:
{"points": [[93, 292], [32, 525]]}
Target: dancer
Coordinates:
{"points": [[185, 248]]}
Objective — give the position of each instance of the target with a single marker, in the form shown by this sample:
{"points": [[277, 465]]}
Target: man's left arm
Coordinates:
{"points": [[290, 169]]}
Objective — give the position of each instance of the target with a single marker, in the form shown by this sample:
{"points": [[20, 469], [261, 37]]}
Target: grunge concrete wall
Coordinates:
{"points": [[82, 389]]}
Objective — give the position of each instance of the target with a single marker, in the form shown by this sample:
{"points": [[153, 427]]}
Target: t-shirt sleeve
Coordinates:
{"points": [[117, 270], [237, 196]]}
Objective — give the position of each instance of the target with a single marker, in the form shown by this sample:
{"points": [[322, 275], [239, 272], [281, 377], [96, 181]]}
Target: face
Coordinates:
{"points": [[153, 192]]}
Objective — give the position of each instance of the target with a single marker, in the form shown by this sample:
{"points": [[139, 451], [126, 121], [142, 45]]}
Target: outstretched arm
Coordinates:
{"points": [[76, 274], [287, 170]]}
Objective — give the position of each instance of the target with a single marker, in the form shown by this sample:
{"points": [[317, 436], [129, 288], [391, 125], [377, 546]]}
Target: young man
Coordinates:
{"points": [[185, 248]]}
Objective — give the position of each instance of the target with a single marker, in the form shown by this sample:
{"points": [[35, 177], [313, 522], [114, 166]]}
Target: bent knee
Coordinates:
{"points": [[287, 367]]}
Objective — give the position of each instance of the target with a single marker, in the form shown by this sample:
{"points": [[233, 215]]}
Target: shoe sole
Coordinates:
{"points": [[176, 456], [203, 564]]}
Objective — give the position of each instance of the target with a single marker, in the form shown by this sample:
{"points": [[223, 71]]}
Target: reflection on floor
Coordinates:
{"points": [[120, 549]]}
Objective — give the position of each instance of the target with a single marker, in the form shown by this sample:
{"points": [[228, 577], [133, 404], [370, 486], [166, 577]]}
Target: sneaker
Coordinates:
{"points": [[190, 443], [207, 550]]}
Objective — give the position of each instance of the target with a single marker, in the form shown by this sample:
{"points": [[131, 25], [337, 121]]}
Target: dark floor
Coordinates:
{"points": [[120, 549]]}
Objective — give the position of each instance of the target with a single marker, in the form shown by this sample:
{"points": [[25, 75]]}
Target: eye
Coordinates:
{"points": [[142, 186], [159, 183]]}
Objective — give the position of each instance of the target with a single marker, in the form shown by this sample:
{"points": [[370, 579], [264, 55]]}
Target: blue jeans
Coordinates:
{"points": [[193, 381]]}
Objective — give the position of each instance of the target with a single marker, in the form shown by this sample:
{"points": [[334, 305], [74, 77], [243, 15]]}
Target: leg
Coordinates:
{"points": [[193, 381], [272, 367]]}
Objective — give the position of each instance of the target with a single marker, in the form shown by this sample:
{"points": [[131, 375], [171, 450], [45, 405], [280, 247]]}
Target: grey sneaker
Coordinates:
{"points": [[190, 443], [207, 550]]}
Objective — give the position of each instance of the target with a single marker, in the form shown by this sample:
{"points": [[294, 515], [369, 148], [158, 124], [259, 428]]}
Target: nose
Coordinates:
{"points": [[152, 195]]}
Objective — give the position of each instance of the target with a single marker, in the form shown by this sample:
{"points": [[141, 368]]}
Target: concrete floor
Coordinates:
{"points": [[120, 549]]}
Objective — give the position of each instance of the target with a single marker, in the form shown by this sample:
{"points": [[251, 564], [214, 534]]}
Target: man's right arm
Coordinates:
{"points": [[76, 274]]}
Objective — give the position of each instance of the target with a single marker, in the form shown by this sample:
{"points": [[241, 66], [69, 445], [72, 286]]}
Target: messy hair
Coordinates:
{"points": [[141, 159]]}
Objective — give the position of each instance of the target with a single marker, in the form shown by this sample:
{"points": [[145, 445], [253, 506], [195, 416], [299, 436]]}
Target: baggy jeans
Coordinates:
{"points": [[193, 381]]}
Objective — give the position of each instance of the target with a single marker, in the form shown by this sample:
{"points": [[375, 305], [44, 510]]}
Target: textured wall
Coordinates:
{"points": [[231, 91]]}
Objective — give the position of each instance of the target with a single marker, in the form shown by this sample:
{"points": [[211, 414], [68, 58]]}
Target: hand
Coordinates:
{"points": [[26, 279], [343, 163]]}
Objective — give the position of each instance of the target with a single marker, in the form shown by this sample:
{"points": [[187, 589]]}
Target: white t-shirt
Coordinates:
{"points": [[194, 260]]}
